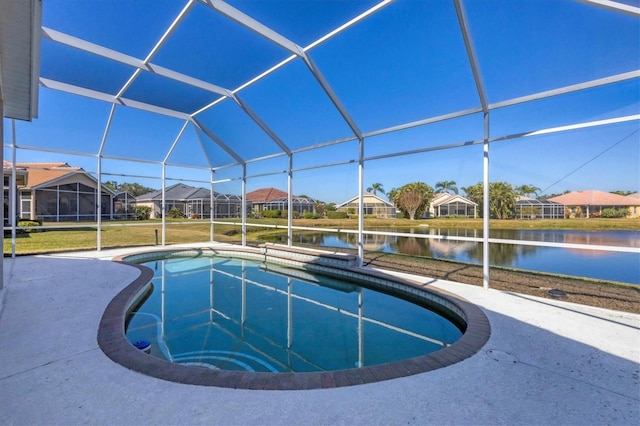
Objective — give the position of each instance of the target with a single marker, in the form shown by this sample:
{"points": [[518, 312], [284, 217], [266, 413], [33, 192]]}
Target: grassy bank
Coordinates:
{"points": [[592, 292], [138, 233]]}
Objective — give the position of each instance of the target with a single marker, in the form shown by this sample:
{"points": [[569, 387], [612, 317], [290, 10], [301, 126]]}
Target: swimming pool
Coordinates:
{"points": [[234, 318], [242, 315]]}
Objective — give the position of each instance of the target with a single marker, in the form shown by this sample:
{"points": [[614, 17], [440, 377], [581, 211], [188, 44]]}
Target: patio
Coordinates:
{"points": [[547, 362]]}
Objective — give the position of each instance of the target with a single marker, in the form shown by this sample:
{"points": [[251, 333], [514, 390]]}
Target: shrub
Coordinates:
{"points": [[613, 213], [310, 215], [400, 215], [175, 213], [578, 212], [141, 212], [38, 222], [271, 213], [29, 223], [337, 215]]}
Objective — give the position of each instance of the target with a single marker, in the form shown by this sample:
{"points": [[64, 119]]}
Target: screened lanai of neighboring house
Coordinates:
{"points": [[450, 205], [322, 98], [55, 192], [299, 205], [227, 206], [123, 205], [372, 205], [531, 208], [191, 202]]}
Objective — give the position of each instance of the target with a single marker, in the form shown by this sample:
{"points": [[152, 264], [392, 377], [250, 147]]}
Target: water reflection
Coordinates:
{"points": [[231, 314], [615, 266]]}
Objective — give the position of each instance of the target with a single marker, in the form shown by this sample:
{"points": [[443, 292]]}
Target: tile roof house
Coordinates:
{"points": [[592, 202], [264, 195], [275, 199], [192, 202], [56, 192], [21, 174]]}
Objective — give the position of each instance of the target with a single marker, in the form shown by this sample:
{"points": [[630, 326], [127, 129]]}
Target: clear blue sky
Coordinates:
{"points": [[405, 63]]}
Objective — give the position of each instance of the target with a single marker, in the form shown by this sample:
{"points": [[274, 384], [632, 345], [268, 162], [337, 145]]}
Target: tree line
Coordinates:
{"points": [[413, 199], [134, 189]]}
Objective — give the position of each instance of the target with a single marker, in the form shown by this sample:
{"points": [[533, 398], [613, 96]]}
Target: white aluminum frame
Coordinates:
{"points": [[303, 54]]}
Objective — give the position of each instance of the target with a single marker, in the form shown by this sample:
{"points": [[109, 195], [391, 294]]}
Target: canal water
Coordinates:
{"points": [[606, 265]]}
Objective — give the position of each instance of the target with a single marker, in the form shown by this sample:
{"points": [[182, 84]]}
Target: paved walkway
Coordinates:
{"points": [[547, 362]]}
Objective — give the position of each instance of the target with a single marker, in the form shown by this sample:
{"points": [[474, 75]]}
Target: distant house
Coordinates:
{"points": [[591, 203], [275, 199], [445, 204], [56, 192], [192, 202], [635, 209], [372, 206]]}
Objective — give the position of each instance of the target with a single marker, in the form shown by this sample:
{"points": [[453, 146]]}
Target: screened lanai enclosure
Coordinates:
{"points": [[191, 202], [298, 206], [322, 98], [529, 208]]}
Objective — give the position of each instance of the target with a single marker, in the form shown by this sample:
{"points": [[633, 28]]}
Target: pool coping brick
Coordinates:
{"points": [[113, 342]]}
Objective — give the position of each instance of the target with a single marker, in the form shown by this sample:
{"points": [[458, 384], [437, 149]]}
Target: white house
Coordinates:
{"points": [[373, 206]]}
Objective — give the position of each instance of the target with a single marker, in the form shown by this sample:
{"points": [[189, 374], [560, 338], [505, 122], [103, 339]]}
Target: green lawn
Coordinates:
{"points": [[139, 233], [59, 239]]}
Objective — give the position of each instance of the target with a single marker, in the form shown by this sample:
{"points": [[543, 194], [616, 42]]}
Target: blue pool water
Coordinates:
{"points": [[233, 314]]}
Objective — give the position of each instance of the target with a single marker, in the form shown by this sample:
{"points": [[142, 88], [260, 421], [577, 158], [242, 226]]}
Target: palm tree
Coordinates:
{"points": [[446, 186], [502, 198], [413, 198], [376, 187], [527, 190], [392, 194]]}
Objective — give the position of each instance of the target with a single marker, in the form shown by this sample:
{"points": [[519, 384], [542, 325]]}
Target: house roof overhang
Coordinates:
{"points": [[366, 195], [20, 23], [73, 172], [594, 198], [448, 199]]}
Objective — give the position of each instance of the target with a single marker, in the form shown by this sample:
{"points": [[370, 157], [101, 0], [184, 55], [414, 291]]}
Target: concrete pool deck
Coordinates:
{"points": [[546, 362]]}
